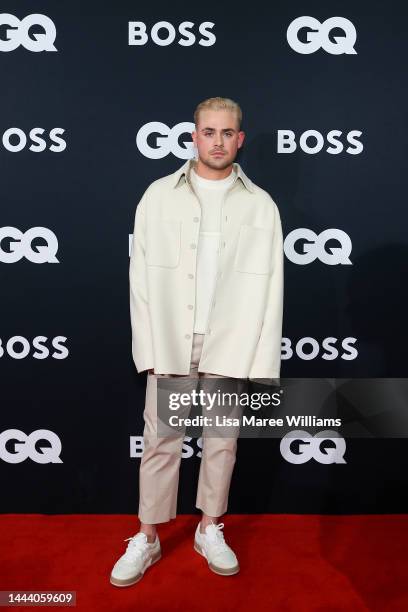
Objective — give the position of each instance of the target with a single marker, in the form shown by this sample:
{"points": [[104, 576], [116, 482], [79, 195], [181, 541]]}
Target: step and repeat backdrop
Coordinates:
{"points": [[97, 101]]}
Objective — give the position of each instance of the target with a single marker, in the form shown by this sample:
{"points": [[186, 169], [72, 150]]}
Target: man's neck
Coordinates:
{"points": [[211, 173]]}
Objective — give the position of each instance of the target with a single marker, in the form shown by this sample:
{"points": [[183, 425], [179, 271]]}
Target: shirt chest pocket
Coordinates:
{"points": [[163, 243], [254, 250]]}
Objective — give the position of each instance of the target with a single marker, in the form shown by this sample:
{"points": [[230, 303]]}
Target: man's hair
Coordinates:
{"points": [[217, 104]]}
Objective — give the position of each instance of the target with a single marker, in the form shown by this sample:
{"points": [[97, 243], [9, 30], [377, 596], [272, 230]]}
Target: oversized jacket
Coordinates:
{"points": [[244, 332]]}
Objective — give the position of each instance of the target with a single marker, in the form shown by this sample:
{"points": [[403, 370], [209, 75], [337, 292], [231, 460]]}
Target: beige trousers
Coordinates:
{"points": [[160, 463]]}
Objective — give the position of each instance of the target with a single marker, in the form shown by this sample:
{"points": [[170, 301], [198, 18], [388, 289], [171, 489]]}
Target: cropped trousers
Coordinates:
{"points": [[160, 463]]}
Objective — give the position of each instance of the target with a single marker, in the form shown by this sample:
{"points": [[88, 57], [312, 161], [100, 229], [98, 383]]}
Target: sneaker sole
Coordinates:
{"points": [[217, 570], [128, 582]]}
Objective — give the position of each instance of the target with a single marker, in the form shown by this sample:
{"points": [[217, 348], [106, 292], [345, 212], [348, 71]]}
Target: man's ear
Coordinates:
{"points": [[241, 139]]}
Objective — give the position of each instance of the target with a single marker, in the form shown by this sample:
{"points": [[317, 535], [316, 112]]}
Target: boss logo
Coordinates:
{"points": [[314, 246], [313, 447], [20, 245], [13, 349], [15, 140], [319, 35], [18, 33], [164, 33], [312, 142], [308, 348], [16, 446], [188, 450], [155, 140]]}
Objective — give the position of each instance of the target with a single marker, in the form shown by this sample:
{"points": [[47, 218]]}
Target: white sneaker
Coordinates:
{"points": [[139, 555], [211, 544]]}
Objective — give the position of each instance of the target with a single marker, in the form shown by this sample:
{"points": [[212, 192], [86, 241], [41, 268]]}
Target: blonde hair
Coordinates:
{"points": [[217, 104]]}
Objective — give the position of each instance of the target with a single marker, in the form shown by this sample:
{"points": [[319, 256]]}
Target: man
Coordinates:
{"points": [[206, 299]]}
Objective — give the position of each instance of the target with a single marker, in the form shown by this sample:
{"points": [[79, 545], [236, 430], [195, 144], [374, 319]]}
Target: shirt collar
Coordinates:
{"points": [[184, 172]]}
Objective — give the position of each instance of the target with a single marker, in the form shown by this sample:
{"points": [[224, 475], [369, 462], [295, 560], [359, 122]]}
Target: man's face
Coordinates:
{"points": [[217, 132]]}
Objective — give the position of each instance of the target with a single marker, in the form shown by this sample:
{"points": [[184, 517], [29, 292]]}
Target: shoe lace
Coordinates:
{"points": [[216, 537], [136, 547]]}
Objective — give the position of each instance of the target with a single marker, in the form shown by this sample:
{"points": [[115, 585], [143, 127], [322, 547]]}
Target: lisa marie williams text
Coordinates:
{"points": [[253, 421]]}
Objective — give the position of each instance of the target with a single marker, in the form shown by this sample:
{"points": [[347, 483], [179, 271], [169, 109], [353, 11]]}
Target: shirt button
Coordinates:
{"points": [[187, 336], [196, 219], [190, 307], [193, 245], [190, 275]]}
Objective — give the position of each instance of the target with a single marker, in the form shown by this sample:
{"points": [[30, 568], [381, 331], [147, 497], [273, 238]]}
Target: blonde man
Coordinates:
{"points": [[206, 299]]}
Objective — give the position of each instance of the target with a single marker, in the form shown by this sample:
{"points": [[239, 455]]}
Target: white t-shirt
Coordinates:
{"points": [[211, 193]]}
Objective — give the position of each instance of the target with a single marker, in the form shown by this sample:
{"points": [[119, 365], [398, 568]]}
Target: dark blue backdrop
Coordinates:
{"points": [[100, 91]]}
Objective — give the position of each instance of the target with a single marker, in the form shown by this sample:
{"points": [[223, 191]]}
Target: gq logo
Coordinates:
{"points": [[26, 446], [314, 247], [166, 140], [18, 33], [318, 35], [20, 245], [310, 447]]}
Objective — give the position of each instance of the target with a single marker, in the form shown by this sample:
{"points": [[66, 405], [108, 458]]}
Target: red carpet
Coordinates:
{"points": [[288, 563]]}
